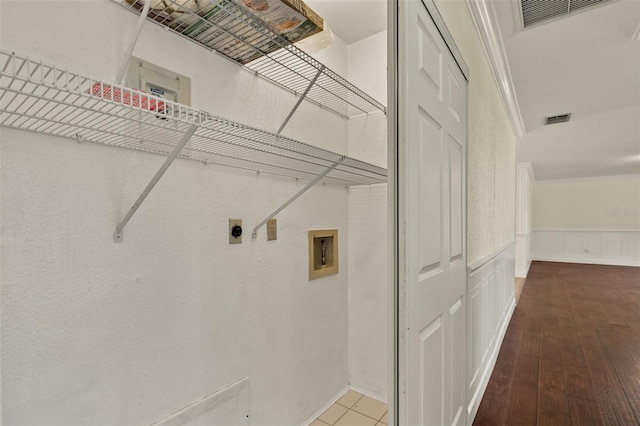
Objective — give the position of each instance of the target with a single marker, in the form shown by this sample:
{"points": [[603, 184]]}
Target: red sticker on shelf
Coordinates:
{"points": [[133, 97]]}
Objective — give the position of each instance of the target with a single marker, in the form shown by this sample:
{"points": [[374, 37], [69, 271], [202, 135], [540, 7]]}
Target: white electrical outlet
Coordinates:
{"points": [[235, 231], [272, 229]]}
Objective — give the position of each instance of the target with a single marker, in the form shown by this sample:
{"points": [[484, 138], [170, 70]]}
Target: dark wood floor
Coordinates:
{"points": [[571, 354]]}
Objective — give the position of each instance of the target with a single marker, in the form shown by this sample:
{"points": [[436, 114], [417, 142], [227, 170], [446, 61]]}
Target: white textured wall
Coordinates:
{"points": [[368, 282], [368, 65], [524, 211], [368, 310], [491, 144], [523, 255], [100, 333], [590, 205]]}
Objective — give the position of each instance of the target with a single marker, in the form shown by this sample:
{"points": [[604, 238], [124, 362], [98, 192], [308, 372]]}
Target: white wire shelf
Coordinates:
{"points": [[43, 98], [229, 29]]}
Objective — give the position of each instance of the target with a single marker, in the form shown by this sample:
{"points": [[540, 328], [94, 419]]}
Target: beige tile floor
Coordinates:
{"points": [[354, 409]]}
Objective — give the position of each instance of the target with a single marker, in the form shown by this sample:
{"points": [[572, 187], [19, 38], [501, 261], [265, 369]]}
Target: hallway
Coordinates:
{"points": [[571, 354]]}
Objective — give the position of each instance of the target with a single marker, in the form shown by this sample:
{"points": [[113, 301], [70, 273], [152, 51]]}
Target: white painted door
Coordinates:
{"points": [[432, 213]]}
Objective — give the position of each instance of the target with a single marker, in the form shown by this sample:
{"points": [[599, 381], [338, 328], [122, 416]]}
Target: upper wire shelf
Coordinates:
{"points": [[43, 98], [229, 29]]}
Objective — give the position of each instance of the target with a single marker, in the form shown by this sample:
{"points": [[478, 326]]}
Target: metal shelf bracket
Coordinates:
{"points": [[254, 234], [118, 237], [134, 41], [304, 95]]}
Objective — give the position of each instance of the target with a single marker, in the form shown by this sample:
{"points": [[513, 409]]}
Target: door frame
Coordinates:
{"points": [[397, 312]]}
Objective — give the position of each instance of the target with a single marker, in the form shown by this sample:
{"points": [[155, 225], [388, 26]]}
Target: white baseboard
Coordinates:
{"points": [[368, 393], [325, 407], [596, 261]]}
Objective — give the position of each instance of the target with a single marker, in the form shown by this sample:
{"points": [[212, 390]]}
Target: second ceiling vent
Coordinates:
{"points": [[535, 11], [555, 119]]}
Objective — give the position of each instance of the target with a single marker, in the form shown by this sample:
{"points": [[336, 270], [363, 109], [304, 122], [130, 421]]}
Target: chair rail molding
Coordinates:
{"points": [[484, 21]]}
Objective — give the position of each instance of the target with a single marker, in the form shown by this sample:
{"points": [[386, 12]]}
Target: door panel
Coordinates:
{"points": [[456, 199], [432, 188], [456, 96], [432, 381], [430, 184], [430, 59], [458, 377]]}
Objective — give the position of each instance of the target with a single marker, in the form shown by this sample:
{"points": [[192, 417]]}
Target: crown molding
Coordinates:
{"points": [[491, 41], [529, 168]]}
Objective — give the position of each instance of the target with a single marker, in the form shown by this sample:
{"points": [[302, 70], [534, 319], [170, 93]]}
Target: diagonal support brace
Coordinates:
{"points": [[134, 40], [317, 179], [304, 95], [117, 237]]}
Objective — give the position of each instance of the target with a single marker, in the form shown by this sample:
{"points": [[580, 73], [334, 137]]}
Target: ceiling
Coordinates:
{"points": [[586, 64], [352, 20]]}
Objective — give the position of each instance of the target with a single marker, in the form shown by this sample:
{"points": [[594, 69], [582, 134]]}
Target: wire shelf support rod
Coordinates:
{"points": [[134, 41], [118, 237], [304, 95], [317, 179]]}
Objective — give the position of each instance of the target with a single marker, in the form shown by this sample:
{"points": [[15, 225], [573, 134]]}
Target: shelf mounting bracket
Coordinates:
{"points": [[118, 237], [304, 95], [317, 179], [134, 40]]}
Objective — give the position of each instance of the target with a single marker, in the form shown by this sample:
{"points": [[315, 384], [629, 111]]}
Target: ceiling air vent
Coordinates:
{"points": [[535, 11], [555, 119]]}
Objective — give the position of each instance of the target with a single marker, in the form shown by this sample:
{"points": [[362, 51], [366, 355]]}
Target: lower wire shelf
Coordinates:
{"points": [[42, 98]]}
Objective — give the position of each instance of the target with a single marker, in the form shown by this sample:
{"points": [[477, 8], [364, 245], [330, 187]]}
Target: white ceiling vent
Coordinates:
{"points": [[555, 119], [535, 11]]}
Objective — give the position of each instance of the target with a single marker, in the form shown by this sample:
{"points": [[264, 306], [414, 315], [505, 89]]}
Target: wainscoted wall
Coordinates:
{"points": [[597, 247], [491, 303], [523, 255]]}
